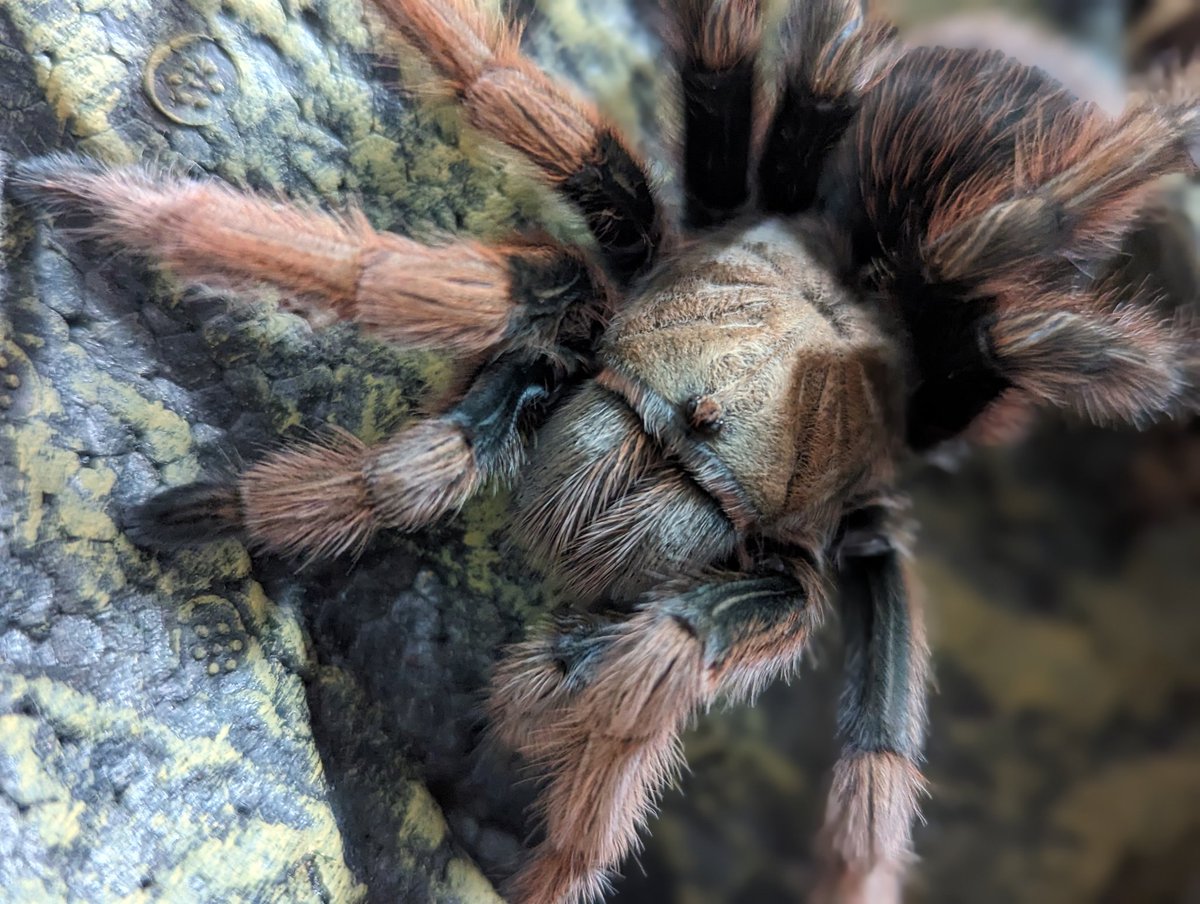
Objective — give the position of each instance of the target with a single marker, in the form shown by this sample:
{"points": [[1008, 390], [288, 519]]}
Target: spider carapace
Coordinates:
{"points": [[879, 248]]}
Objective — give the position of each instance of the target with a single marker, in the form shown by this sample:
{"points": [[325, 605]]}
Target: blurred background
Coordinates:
{"points": [[1063, 588]]}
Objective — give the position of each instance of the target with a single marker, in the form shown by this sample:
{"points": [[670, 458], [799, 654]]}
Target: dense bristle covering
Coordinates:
{"points": [[868, 831], [717, 44], [716, 34], [1113, 363], [599, 706], [602, 508], [970, 178], [460, 38], [610, 753], [1174, 87], [966, 166], [327, 498], [463, 295], [205, 230], [310, 500], [421, 474], [186, 516], [831, 54]]}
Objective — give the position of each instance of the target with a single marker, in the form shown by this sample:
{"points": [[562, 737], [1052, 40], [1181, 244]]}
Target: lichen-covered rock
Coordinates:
{"points": [[204, 727]]}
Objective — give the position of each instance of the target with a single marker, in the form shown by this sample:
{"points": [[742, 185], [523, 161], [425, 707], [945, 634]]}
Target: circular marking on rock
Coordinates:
{"points": [[12, 381], [213, 668], [202, 631], [192, 80], [230, 665], [199, 652]]}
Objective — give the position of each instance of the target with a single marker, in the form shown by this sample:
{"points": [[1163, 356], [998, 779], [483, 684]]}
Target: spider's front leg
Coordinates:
{"points": [[523, 315], [600, 706]]}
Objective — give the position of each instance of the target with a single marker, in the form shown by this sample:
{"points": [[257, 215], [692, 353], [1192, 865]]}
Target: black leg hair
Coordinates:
{"points": [[719, 44], [831, 51]]}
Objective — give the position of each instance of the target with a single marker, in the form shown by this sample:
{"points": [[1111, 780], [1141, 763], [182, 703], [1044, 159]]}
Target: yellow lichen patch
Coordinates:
{"points": [[423, 822], [467, 883], [32, 784], [312, 880], [39, 394], [247, 859], [82, 86], [257, 605], [482, 518], [194, 570], [80, 518], [375, 156], [612, 57], [45, 468], [80, 504], [250, 855]]}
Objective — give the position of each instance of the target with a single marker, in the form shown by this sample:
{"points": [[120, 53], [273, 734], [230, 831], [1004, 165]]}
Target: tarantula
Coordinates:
{"points": [[881, 248]]}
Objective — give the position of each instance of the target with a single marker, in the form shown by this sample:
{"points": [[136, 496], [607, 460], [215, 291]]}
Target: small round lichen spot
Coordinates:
{"points": [[192, 80]]}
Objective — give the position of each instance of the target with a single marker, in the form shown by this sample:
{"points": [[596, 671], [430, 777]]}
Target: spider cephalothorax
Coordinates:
{"points": [[880, 248]]}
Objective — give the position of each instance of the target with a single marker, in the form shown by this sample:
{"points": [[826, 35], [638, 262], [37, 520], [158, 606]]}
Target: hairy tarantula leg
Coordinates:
{"points": [[323, 499], [877, 781], [465, 295], [718, 44], [601, 710], [831, 54], [509, 98]]}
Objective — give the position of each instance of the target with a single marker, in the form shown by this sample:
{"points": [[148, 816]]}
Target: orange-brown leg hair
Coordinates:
{"points": [[599, 706], [321, 499], [464, 295], [507, 97], [877, 783]]}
